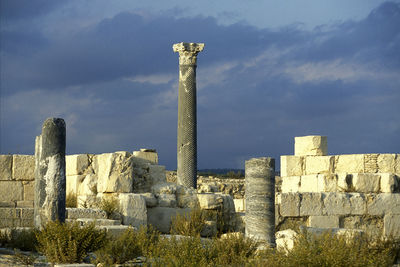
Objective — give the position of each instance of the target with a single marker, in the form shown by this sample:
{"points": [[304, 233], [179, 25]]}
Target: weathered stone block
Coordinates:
{"points": [[371, 163], [146, 154], [210, 201], [391, 225], [336, 204], [290, 184], [167, 200], [312, 145], [291, 166], [160, 217], [319, 164], [239, 204], [151, 200], [23, 167], [165, 188], [87, 186], [386, 163], [10, 213], [366, 182], [309, 183], [349, 163], [77, 164], [311, 204], [25, 204], [358, 204], [390, 183], [29, 190], [11, 191], [323, 221], [113, 231], [384, 203], [157, 174], [5, 167], [327, 183], [344, 182], [285, 239], [290, 204], [133, 209], [186, 197], [397, 164], [114, 172], [73, 182], [26, 213]]}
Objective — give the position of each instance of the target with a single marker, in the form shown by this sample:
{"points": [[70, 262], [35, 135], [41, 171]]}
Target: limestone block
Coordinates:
{"points": [[113, 231], [85, 221], [7, 204], [239, 204], [210, 201], [386, 163], [311, 204], [166, 200], [397, 165], [344, 182], [26, 213], [383, 203], [336, 204], [228, 212], [285, 239], [29, 190], [160, 217], [114, 172], [133, 209], [353, 163], [87, 186], [11, 191], [157, 174], [312, 145], [319, 164], [75, 213], [149, 155], [391, 225], [23, 167], [164, 188], [366, 182], [151, 200], [77, 164], [291, 166], [390, 183], [309, 183], [358, 204], [186, 197], [25, 204], [290, 204], [5, 167], [327, 183], [209, 229], [323, 221], [290, 184], [73, 182], [371, 163]]}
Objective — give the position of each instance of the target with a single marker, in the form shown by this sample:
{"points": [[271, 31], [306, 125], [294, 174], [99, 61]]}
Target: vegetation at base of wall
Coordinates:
{"points": [[71, 201], [25, 259], [69, 242], [21, 239], [190, 223], [110, 206], [222, 173]]}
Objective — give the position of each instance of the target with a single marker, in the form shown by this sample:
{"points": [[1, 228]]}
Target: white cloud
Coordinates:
{"points": [[152, 79]]}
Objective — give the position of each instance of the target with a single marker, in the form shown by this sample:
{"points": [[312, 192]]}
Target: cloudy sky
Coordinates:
{"points": [[270, 71]]}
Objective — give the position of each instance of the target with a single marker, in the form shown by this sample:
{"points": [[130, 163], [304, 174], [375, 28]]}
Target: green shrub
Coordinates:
{"points": [[129, 246], [19, 239], [68, 242], [25, 259], [110, 206], [71, 201], [190, 223]]}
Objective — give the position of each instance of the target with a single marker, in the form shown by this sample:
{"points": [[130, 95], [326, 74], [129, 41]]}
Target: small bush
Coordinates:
{"points": [[25, 259], [69, 243], [189, 224], [110, 206], [71, 201], [19, 239]]}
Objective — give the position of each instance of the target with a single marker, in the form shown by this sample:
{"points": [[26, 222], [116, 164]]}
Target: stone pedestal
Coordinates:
{"points": [[260, 200], [187, 120], [50, 181]]}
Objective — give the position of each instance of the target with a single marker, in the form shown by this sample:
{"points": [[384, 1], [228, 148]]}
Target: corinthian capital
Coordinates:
{"points": [[188, 52]]}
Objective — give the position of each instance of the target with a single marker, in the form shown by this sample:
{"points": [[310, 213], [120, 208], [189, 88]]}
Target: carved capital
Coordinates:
{"points": [[188, 52]]}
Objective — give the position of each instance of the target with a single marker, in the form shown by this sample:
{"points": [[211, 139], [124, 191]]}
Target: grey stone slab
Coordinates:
{"points": [[380, 204], [290, 204], [336, 203], [311, 204]]}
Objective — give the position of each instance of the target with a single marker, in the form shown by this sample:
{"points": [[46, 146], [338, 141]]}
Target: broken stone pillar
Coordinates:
{"points": [[50, 181], [260, 200], [187, 120]]}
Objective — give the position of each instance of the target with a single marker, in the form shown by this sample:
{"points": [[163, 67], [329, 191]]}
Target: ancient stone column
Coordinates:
{"points": [[187, 120], [260, 200], [50, 180]]}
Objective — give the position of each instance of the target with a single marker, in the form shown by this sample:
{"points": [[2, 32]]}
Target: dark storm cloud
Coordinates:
{"points": [[27, 9], [115, 83]]}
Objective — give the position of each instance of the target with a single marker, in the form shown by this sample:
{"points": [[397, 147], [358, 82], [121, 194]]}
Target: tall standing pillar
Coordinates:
{"points": [[187, 117], [260, 199], [50, 180]]}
